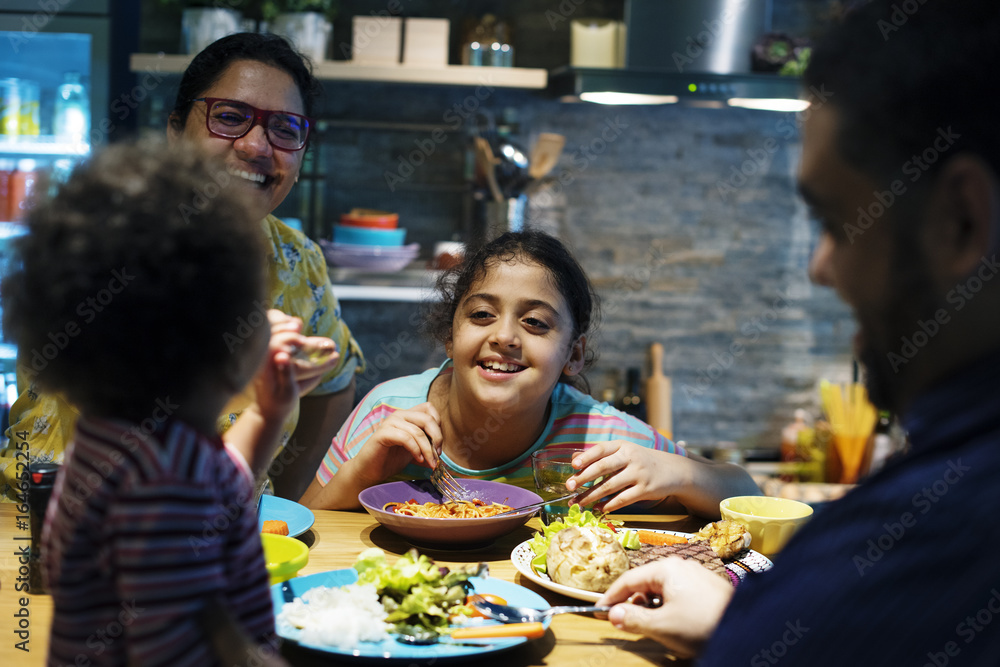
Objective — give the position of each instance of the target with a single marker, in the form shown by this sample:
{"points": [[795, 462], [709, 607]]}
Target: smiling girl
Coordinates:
{"points": [[514, 319]]}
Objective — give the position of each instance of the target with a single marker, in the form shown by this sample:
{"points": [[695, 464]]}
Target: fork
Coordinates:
{"points": [[259, 493], [447, 485]]}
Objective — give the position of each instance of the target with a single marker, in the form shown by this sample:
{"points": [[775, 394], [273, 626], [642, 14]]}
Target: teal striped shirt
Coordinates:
{"points": [[576, 421]]}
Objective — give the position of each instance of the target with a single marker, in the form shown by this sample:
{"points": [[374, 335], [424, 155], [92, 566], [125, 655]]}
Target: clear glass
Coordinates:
{"points": [[551, 469]]}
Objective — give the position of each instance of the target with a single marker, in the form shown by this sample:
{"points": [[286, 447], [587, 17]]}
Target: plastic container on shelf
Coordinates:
{"points": [[10, 109], [369, 236], [71, 122], [22, 185], [6, 173], [29, 118]]}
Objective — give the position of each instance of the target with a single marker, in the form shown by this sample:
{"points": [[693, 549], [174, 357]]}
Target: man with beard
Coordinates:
{"points": [[900, 165]]}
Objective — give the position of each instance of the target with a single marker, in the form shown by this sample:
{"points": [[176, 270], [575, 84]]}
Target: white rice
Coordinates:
{"points": [[342, 616]]}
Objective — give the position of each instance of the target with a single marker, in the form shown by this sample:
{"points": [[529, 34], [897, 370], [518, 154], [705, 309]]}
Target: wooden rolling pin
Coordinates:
{"points": [[658, 394]]}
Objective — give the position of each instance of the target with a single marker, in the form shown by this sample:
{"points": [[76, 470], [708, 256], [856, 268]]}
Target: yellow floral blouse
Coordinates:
{"points": [[298, 284]]}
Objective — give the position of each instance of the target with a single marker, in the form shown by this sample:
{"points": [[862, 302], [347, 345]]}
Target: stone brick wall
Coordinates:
{"points": [[688, 224]]}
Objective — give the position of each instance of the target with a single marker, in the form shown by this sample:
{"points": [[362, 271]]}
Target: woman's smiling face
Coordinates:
{"points": [[266, 175], [513, 338]]}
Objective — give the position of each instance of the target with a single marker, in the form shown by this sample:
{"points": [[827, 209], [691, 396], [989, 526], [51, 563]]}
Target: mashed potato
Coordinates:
{"points": [[587, 558]]}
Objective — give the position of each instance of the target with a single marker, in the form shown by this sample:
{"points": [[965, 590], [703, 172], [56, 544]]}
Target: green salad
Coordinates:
{"points": [[417, 594], [582, 519]]}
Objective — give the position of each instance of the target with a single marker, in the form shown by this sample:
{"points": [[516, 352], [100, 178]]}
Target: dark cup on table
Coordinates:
{"points": [[41, 481]]}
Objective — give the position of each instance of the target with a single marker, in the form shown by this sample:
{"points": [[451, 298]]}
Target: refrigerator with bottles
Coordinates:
{"points": [[61, 63]]}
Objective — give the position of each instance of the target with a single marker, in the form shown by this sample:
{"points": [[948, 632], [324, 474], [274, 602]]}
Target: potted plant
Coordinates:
{"points": [[204, 21], [305, 23]]}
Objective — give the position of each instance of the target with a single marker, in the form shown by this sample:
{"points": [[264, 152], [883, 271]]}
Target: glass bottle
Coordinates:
{"points": [[71, 122], [631, 401], [883, 445]]}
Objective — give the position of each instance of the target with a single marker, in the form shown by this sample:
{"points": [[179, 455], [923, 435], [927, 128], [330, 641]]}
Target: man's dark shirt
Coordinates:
{"points": [[905, 569]]}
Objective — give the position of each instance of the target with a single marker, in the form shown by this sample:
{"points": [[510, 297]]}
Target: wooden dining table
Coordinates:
{"points": [[335, 540]]}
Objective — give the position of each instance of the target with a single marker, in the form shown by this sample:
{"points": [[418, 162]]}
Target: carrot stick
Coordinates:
{"points": [[529, 630], [648, 537]]}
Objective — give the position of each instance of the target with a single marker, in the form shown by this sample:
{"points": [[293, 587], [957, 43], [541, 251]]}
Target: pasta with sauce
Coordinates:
{"points": [[456, 509]]}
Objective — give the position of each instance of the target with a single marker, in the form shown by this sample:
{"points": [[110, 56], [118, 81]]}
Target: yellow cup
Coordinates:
{"points": [[284, 556], [771, 521]]}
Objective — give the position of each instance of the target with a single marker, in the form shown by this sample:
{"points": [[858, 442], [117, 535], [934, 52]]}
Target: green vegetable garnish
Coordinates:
{"points": [[416, 593], [580, 518]]}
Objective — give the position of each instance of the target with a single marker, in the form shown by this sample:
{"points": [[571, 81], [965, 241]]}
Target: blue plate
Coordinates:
{"points": [[390, 649], [298, 517]]}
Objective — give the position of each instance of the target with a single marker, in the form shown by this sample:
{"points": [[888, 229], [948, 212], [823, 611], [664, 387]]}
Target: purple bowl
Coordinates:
{"points": [[448, 533]]}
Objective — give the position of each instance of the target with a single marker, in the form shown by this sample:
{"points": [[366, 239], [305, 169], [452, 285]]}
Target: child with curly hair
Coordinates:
{"points": [[148, 283], [514, 319]]}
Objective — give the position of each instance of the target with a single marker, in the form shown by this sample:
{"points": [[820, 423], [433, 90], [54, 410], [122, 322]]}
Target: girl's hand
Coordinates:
{"points": [[694, 600], [405, 436], [630, 473]]}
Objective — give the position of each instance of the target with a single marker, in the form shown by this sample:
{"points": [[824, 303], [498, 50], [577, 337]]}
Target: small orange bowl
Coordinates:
{"points": [[366, 217]]}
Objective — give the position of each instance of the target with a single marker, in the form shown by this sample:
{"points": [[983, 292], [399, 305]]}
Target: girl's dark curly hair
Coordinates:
{"points": [[208, 66], [527, 246], [136, 281]]}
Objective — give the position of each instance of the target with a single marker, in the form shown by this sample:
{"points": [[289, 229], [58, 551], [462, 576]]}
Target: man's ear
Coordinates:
{"points": [[577, 357], [963, 216]]}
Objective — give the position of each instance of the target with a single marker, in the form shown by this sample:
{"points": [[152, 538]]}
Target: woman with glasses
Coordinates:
{"points": [[245, 100]]}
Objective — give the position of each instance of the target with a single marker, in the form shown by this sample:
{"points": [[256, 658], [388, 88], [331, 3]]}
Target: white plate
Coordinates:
{"points": [[387, 259], [522, 554]]}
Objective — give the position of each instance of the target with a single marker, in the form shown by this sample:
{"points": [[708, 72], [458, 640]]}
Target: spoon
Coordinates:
{"points": [[510, 614], [429, 638]]}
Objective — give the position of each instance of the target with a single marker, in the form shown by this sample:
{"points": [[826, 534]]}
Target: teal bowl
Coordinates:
{"points": [[368, 236]]}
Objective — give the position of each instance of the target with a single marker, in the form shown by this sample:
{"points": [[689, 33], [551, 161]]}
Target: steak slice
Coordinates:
{"points": [[698, 551]]}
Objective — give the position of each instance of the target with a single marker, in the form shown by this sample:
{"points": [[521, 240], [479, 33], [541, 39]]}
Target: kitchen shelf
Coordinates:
{"points": [[409, 285], [341, 70], [43, 146]]}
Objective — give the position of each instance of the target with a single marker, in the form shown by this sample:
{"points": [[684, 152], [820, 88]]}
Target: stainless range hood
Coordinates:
{"points": [[695, 52]]}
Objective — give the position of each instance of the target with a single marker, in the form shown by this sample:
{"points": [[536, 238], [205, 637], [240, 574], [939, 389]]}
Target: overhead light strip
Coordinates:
{"points": [[769, 104], [612, 97]]}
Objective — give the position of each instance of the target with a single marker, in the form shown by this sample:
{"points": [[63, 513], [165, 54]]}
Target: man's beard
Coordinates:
{"points": [[910, 300], [883, 391]]}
